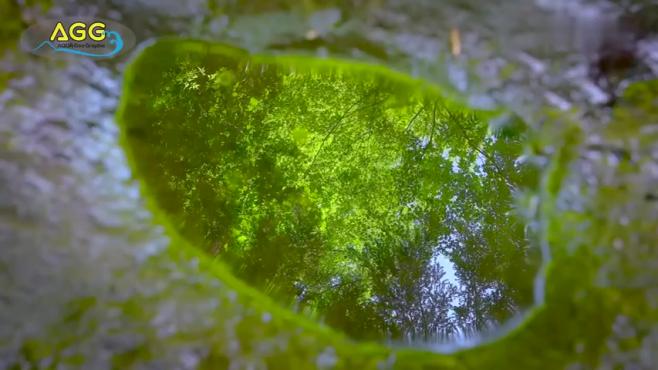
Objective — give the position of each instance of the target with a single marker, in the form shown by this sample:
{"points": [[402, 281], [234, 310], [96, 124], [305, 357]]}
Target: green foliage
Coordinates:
{"points": [[336, 188]]}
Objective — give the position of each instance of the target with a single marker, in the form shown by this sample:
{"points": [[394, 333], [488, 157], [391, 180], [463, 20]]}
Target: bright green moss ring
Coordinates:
{"points": [[335, 188]]}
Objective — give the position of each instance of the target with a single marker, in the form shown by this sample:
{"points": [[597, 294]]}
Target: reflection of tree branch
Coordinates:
{"points": [[499, 171], [369, 132], [429, 143], [338, 122], [331, 131], [414, 118], [361, 141]]}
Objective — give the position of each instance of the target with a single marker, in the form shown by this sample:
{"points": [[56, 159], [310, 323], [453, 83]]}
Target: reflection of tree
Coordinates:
{"points": [[412, 298], [336, 192]]}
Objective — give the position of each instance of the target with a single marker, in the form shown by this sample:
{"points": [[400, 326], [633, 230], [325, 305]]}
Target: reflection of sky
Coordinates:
{"points": [[448, 267], [450, 274]]}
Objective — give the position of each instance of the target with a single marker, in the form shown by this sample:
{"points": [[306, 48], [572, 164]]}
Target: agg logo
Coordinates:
{"points": [[95, 38]]}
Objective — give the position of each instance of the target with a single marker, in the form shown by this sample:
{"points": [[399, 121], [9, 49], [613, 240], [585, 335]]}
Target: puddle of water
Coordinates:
{"points": [[356, 196]]}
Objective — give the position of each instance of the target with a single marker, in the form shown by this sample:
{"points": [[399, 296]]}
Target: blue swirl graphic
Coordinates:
{"points": [[114, 38]]}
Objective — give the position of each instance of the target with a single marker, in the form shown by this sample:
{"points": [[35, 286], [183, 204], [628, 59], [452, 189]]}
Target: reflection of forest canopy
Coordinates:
{"points": [[338, 192]]}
